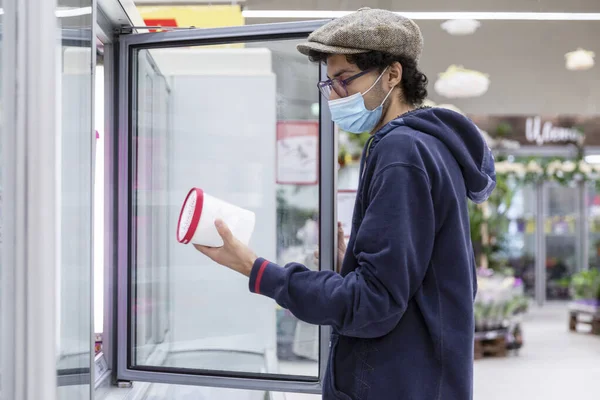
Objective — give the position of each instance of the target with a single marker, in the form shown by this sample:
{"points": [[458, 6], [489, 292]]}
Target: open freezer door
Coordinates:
{"points": [[210, 109]]}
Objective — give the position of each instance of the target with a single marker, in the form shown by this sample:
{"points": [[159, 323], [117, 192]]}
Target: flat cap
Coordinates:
{"points": [[367, 30]]}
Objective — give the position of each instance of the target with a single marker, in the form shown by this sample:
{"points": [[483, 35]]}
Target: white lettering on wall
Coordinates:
{"points": [[539, 134]]}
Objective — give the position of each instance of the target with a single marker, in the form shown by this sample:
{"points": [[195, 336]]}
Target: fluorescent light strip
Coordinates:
{"points": [[67, 12], [506, 16], [73, 12]]}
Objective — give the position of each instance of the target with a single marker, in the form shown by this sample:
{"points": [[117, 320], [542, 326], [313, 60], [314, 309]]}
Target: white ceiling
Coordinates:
{"points": [[524, 59], [395, 5], [430, 5], [525, 62]]}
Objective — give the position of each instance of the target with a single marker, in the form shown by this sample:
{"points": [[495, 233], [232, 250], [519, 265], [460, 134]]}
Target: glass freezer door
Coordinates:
{"points": [[210, 109]]}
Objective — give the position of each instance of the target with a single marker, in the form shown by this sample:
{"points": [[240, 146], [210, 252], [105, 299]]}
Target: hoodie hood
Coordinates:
{"points": [[464, 140]]}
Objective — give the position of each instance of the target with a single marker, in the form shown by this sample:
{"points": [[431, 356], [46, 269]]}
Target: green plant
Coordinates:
{"points": [[586, 285], [360, 139], [495, 223], [564, 282], [503, 129]]}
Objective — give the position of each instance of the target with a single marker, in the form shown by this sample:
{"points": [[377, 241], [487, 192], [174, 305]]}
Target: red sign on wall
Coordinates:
{"points": [[167, 22]]}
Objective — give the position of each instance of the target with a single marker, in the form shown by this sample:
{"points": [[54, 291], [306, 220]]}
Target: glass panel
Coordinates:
{"points": [[220, 119], [350, 147], [593, 215], [75, 158], [158, 391], [518, 250], [2, 184], [560, 229]]}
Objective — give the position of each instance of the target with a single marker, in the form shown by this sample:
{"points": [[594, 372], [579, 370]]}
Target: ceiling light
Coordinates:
{"points": [[515, 16], [67, 12], [458, 82], [579, 60], [459, 27]]}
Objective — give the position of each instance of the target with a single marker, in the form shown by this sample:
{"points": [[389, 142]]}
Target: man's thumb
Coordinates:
{"points": [[340, 233], [223, 230]]}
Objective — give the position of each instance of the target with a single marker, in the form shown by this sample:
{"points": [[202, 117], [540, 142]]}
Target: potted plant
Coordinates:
{"points": [[585, 287]]}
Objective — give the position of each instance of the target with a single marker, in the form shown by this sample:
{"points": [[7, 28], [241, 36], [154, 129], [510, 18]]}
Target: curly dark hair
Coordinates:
{"points": [[414, 82]]}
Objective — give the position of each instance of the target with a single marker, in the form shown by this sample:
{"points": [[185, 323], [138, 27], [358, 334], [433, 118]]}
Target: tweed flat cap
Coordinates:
{"points": [[367, 30]]}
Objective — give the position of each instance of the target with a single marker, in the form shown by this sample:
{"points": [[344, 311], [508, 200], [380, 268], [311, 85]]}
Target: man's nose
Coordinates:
{"points": [[333, 95]]}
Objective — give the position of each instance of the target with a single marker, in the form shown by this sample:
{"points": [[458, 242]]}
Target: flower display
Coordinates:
{"points": [[566, 172], [500, 298]]}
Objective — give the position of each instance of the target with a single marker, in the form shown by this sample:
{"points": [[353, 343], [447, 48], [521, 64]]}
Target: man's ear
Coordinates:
{"points": [[394, 74]]}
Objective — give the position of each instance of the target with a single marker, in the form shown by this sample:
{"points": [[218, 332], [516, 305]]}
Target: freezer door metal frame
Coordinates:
{"points": [[127, 47]]}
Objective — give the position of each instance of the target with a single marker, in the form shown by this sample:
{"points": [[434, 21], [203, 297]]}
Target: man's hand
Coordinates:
{"points": [[341, 248], [233, 254]]}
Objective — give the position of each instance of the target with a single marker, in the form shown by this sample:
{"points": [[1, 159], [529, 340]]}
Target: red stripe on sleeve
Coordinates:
{"points": [[261, 271]]}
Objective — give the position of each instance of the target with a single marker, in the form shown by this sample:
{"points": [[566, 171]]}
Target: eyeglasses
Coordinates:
{"points": [[339, 86]]}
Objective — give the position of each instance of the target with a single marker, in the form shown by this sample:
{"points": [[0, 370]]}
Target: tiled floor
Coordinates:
{"points": [[554, 364]]}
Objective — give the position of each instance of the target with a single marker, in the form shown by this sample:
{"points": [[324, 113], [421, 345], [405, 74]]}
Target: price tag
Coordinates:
{"points": [[100, 367]]}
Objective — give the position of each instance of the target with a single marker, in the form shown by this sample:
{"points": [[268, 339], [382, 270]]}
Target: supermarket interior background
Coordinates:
{"points": [[154, 97]]}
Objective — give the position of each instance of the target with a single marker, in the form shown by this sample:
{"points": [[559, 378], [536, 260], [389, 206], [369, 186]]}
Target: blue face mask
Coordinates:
{"points": [[351, 114]]}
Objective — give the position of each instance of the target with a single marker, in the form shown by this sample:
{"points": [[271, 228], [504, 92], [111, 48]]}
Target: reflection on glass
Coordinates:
{"points": [[350, 147], [150, 216], [560, 228], [2, 119], [227, 121], [74, 94], [164, 391], [519, 239], [593, 215]]}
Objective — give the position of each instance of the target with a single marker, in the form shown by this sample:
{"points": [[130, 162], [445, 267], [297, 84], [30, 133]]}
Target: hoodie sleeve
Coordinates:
{"points": [[393, 247]]}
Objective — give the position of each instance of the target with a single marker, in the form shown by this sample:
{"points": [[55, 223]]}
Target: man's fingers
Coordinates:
{"points": [[224, 231], [316, 254], [201, 249], [340, 233], [207, 251]]}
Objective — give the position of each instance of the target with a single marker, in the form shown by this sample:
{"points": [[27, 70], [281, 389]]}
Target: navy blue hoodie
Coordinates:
{"points": [[401, 310]]}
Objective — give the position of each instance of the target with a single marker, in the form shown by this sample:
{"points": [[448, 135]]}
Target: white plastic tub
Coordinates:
{"points": [[198, 215]]}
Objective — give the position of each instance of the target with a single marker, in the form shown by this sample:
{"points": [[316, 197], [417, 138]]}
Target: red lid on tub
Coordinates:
{"points": [[189, 217]]}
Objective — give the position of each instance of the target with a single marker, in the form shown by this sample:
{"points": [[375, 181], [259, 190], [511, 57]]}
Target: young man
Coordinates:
{"points": [[401, 309]]}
